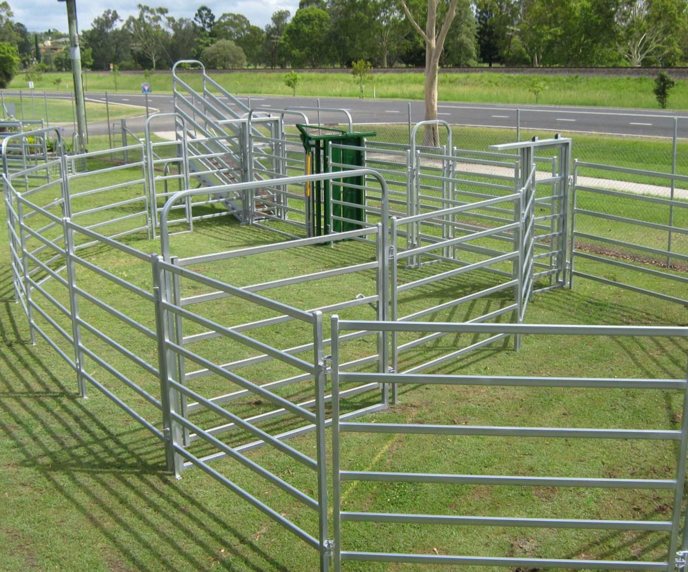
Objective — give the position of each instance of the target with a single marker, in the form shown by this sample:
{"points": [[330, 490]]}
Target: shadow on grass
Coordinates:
{"points": [[112, 480]]}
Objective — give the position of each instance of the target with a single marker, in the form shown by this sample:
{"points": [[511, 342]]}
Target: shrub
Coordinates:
{"points": [[362, 71], [292, 80], [224, 55], [9, 63], [663, 85], [536, 87]]}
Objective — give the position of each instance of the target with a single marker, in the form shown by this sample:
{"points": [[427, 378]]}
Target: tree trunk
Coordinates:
{"points": [[431, 136]]}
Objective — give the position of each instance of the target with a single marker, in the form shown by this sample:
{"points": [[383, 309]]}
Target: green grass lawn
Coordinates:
{"points": [[473, 87], [80, 473], [62, 110]]}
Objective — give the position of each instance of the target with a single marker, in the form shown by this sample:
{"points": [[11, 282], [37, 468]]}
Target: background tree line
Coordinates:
{"points": [[325, 33]]}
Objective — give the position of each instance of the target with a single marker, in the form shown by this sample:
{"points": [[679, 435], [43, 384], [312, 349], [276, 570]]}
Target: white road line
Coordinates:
{"points": [[116, 103], [501, 116], [444, 114], [569, 120], [643, 124], [564, 111], [392, 111], [125, 99], [264, 105]]}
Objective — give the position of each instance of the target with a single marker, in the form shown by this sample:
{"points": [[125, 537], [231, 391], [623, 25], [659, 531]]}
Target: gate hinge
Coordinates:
{"points": [[681, 556], [328, 547]]}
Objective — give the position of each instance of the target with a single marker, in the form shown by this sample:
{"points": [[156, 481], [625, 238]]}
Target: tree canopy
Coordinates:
{"points": [[572, 33]]}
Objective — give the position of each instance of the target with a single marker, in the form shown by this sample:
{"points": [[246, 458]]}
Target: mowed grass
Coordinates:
{"points": [[645, 153], [80, 473], [472, 87], [55, 110]]}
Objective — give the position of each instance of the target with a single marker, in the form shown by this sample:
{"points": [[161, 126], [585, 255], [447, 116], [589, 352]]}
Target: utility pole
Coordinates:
{"points": [[75, 54]]}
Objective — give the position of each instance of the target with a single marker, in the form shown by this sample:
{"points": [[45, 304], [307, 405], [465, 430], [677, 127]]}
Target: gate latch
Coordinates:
{"points": [[363, 296], [681, 557]]}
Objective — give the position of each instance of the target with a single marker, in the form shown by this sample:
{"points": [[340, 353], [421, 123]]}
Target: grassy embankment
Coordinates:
{"points": [[62, 110], [473, 87]]}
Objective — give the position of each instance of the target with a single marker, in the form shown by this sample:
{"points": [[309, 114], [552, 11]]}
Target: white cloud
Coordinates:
{"points": [[40, 15]]}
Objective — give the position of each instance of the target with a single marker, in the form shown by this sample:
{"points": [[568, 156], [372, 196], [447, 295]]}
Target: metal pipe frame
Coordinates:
{"points": [[672, 204], [340, 427]]}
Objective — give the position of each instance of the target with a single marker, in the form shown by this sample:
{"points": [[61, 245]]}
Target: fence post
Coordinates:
{"points": [[107, 113], [336, 484], [564, 209], [393, 278], [518, 125], [673, 190], [518, 247], [572, 240], [320, 380], [45, 103], [21, 104], [179, 336], [123, 123], [408, 115], [383, 304], [25, 272], [74, 304], [168, 396]]}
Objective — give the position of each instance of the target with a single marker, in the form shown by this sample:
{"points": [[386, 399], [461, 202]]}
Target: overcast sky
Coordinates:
{"points": [[40, 15]]}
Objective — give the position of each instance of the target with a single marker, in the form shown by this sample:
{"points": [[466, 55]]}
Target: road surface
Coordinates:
{"points": [[369, 111]]}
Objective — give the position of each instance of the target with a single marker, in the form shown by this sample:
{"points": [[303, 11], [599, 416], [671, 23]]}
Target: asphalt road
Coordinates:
{"points": [[385, 111]]}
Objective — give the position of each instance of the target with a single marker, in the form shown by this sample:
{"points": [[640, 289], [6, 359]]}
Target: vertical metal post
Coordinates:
{"points": [[680, 483], [410, 128], [123, 123], [179, 333], [518, 125], [147, 111], [107, 113], [554, 222], [74, 305], [21, 104], [446, 199], [336, 460], [415, 228], [2, 101], [519, 233], [25, 271], [572, 240], [564, 209], [64, 187], [33, 106], [320, 381], [382, 305], [319, 111], [14, 248], [45, 105], [394, 311], [168, 396], [673, 190]]}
